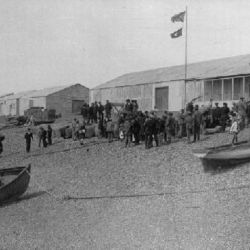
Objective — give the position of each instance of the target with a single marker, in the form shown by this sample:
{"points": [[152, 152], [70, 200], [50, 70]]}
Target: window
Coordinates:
{"points": [[247, 87], [227, 95], [208, 88], [217, 90], [238, 88]]}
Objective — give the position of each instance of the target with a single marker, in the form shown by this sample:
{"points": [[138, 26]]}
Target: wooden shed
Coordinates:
{"points": [[223, 80]]}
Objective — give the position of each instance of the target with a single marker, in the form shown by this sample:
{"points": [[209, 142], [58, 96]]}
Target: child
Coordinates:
{"points": [[127, 131], [110, 130], [82, 132], [234, 130], [28, 136]]}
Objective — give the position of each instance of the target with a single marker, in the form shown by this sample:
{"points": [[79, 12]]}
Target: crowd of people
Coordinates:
{"points": [[44, 137], [135, 126]]}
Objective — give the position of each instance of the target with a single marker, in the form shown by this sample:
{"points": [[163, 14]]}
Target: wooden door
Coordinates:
{"points": [[76, 106], [161, 98]]}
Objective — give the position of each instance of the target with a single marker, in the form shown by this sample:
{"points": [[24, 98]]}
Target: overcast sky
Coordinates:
{"points": [[58, 42]]}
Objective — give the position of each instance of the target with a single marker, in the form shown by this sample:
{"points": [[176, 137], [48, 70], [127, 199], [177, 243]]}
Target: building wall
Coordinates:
{"points": [[142, 93], [9, 107], [175, 95], [61, 101]]}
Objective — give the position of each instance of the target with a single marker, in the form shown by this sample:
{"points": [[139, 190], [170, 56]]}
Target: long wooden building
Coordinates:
{"points": [[223, 80]]}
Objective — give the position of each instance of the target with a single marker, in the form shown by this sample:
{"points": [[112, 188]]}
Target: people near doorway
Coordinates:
{"points": [[108, 108], [49, 135], [170, 127], [28, 137]]}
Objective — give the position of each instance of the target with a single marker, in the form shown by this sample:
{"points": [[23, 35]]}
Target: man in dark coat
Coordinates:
{"points": [[91, 113], [84, 111], [95, 112], [224, 115], [49, 135], [136, 130], [2, 137], [216, 113], [28, 137], [100, 109], [197, 123], [108, 108]]}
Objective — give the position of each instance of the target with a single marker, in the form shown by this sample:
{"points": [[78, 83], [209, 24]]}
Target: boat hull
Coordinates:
{"points": [[224, 156], [17, 186]]}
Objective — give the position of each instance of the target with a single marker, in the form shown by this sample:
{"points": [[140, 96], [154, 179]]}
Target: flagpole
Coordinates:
{"points": [[185, 81]]}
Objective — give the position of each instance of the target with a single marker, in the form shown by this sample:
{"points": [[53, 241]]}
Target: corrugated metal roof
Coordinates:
{"points": [[36, 93], [237, 65]]}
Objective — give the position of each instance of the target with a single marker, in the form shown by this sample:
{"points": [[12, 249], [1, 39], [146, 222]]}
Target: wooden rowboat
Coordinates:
{"points": [[224, 155], [15, 182]]}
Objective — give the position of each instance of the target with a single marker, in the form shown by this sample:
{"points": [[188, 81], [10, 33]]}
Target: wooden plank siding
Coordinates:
{"points": [[61, 101]]}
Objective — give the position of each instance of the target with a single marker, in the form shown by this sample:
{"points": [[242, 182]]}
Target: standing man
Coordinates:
{"points": [[74, 129], [100, 110], [49, 134], [224, 116], [189, 124], [197, 123], [242, 108], [2, 137], [108, 108], [216, 113], [28, 137]]}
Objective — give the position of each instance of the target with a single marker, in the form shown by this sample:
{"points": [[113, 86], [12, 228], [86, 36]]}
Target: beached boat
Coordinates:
{"points": [[14, 182], [224, 155]]}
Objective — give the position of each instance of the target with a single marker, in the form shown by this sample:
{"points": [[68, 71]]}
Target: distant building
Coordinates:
{"points": [[223, 80], [64, 99]]}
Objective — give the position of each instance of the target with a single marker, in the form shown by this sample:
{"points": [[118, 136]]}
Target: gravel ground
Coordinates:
{"points": [[186, 209]]}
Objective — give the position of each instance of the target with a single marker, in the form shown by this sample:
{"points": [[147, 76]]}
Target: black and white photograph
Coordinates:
{"points": [[124, 125]]}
